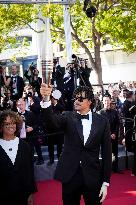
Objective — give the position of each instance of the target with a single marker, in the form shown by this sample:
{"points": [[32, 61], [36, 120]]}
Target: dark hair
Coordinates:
{"points": [[107, 94], [125, 90], [88, 92], [14, 116], [129, 94]]}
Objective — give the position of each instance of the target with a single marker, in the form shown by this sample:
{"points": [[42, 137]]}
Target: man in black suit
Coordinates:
{"points": [[56, 137], [112, 116], [16, 84], [85, 132], [34, 80], [29, 129]]}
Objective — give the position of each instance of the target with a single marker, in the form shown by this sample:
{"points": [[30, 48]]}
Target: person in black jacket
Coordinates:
{"points": [[57, 136], [129, 112], [16, 84], [129, 116], [112, 116], [33, 78], [85, 132], [28, 131], [17, 183]]}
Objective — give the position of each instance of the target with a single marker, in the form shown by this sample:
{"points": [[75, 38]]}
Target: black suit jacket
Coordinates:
{"points": [[75, 154], [112, 116], [20, 86], [17, 178], [30, 121]]}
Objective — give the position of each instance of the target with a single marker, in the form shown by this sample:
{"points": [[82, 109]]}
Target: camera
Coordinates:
{"points": [[29, 94]]}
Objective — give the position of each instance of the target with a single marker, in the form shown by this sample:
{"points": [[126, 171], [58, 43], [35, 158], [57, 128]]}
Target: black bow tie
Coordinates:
{"points": [[79, 116]]}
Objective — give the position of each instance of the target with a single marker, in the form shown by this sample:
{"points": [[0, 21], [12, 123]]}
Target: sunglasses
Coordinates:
{"points": [[80, 99]]}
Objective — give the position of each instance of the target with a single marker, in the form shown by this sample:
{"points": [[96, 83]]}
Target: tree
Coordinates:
{"points": [[13, 17], [115, 18]]}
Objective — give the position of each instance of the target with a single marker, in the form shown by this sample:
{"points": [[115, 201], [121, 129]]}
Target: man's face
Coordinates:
{"points": [[14, 70], [115, 93], [124, 94], [106, 102], [21, 105], [81, 103]]}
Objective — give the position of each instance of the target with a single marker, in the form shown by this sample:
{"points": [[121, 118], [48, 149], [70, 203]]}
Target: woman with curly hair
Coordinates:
{"points": [[16, 166]]}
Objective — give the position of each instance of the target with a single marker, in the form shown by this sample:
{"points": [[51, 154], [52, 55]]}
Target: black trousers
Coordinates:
{"points": [[72, 191], [57, 139], [35, 144], [134, 162]]}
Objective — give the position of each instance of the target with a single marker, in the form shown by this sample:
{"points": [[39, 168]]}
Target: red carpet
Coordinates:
{"points": [[122, 191]]}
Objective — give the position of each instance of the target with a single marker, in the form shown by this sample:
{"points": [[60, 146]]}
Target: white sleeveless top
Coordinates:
{"points": [[10, 147]]}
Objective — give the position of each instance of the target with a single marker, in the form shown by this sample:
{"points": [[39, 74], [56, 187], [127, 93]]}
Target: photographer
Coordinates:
{"points": [[33, 78], [4, 80], [81, 71], [57, 76], [32, 101], [84, 73], [69, 85], [7, 103]]}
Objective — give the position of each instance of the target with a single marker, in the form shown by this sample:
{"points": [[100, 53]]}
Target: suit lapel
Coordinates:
{"points": [[79, 128]]}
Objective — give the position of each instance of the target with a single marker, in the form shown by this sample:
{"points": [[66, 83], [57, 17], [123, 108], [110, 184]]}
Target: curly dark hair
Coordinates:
{"points": [[15, 118], [88, 92]]}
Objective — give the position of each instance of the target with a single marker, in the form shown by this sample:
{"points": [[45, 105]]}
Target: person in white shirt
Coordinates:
{"points": [[79, 168], [17, 183]]}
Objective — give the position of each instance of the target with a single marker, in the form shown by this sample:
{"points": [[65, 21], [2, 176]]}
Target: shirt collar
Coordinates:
{"points": [[14, 76], [90, 112]]}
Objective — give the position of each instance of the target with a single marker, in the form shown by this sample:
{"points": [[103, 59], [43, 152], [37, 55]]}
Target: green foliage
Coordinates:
{"points": [[116, 21], [13, 17], [119, 22]]}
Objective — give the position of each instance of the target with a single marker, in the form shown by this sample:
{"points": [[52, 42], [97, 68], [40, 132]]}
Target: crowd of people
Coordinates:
{"points": [[26, 116]]}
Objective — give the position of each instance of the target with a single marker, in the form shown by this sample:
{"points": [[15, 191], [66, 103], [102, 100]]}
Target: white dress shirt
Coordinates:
{"points": [[87, 126], [23, 131]]}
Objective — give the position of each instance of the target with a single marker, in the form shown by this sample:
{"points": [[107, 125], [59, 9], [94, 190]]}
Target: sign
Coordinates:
{"points": [[61, 2]]}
